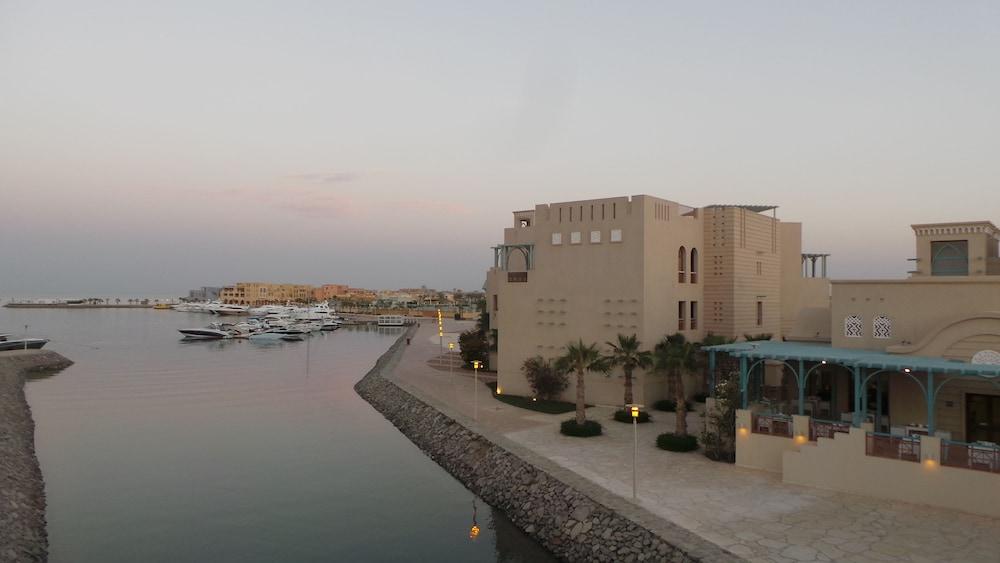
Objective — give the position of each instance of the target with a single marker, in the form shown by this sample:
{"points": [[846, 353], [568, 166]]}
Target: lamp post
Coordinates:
{"points": [[475, 390], [451, 366], [634, 409], [440, 332]]}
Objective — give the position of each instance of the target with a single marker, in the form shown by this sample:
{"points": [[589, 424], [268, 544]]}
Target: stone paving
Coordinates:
{"points": [[751, 513]]}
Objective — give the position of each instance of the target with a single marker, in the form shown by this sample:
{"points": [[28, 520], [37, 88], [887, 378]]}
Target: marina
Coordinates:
{"points": [[154, 448]]}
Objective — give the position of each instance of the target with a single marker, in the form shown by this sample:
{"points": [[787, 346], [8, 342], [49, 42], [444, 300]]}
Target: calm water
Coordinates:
{"points": [[154, 449]]}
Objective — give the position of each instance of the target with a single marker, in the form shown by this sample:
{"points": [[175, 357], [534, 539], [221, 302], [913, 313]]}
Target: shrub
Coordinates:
{"points": [[669, 405], [473, 345], [540, 405], [700, 397], [588, 429], [674, 443], [546, 381], [623, 415]]}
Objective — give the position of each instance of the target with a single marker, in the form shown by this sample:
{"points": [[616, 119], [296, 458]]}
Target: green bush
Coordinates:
{"points": [[674, 443], [589, 428], [623, 415], [669, 405], [700, 397], [540, 405]]}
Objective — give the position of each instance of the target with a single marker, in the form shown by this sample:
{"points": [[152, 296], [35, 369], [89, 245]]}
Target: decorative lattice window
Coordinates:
{"points": [[616, 235], [556, 238], [989, 357], [882, 327], [854, 327]]}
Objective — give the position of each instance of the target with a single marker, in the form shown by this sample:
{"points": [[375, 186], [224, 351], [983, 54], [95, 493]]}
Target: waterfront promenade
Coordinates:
{"points": [[750, 513]]}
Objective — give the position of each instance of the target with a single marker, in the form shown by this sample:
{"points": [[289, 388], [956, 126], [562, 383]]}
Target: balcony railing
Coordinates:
{"points": [[906, 448], [517, 277], [772, 424], [826, 428], [981, 456]]}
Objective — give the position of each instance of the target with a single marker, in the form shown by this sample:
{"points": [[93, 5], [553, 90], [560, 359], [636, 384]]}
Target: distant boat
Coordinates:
{"points": [[163, 306], [206, 333], [390, 320], [23, 344], [229, 309]]}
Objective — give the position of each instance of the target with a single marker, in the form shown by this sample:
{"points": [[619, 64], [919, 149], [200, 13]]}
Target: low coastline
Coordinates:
{"points": [[573, 520], [23, 536]]}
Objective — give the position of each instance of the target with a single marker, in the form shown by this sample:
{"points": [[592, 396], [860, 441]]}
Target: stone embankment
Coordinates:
{"points": [[22, 490], [562, 517]]}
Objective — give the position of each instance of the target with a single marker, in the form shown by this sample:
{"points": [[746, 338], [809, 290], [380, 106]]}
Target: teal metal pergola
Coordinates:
{"points": [[863, 364]]}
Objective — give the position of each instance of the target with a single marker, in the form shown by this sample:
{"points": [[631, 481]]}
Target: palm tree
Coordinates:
{"points": [[626, 353], [581, 358], [675, 356]]}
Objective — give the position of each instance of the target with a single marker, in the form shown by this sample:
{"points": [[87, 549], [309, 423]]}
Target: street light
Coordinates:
{"points": [[634, 409], [475, 390], [451, 366]]}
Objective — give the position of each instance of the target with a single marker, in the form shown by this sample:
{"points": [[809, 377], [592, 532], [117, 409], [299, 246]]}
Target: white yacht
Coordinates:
{"points": [[317, 312], [211, 332], [230, 309]]}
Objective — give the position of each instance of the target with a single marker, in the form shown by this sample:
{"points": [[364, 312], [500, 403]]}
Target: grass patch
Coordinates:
{"points": [[669, 405], [674, 443], [622, 415], [540, 405], [588, 429]]}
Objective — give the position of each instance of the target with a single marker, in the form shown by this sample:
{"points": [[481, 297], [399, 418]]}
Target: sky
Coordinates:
{"points": [[150, 147]]}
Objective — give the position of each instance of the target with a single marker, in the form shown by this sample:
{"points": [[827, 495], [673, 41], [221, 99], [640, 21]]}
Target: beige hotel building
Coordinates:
{"points": [[651, 267], [887, 388]]}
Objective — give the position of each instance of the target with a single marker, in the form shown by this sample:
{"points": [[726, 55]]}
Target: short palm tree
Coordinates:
{"points": [[581, 358], [675, 356], [626, 353]]}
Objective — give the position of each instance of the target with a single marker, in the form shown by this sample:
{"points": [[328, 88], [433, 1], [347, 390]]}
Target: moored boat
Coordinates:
{"points": [[23, 344]]}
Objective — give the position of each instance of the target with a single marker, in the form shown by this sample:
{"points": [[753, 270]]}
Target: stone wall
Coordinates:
{"points": [[22, 490], [568, 522]]}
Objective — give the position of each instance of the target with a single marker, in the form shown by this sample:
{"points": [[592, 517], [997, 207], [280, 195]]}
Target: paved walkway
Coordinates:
{"points": [[750, 513]]}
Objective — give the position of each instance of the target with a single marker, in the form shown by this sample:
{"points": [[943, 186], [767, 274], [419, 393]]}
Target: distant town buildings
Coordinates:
{"points": [[206, 293], [255, 294]]}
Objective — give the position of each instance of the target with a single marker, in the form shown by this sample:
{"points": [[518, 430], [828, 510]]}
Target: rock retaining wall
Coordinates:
{"points": [[22, 490], [568, 522]]}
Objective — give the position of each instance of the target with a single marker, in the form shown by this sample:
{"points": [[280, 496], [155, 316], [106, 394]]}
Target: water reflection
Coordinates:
{"points": [[159, 450]]}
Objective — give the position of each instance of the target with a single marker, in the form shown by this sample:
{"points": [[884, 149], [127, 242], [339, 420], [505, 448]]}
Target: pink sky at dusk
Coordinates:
{"points": [[153, 148]]}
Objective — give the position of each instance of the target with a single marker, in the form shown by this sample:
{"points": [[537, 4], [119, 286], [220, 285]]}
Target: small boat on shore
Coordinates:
{"points": [[23, 344]]}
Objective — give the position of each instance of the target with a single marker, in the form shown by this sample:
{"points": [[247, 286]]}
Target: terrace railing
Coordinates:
{"points": [[981, 456], [826, 428], [906, 448], [772, 424]]}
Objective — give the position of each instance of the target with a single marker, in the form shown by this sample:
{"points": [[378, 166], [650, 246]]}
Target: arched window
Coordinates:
{"points": [[882, 327], [854, 327], [950, 258], [694, 265], [681, 265]]}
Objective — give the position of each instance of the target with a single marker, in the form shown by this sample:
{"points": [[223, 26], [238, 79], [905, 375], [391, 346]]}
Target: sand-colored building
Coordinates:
{"points": [[904, 400], [647, 266], [255, 294]]}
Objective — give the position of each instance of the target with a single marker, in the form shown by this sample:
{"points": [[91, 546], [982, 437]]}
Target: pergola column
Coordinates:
{"points": [[800, 377], [711, 373], [856, 418], [743, 382], [931, 399]]}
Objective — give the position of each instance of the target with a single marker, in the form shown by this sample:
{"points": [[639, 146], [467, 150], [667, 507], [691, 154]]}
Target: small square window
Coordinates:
{"points": [[556, 238], [574, 237], [595, 237], [616, 235]]}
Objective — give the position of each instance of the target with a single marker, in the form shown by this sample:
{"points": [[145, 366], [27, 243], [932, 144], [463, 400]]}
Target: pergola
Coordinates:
{"points": [[863, 364]]}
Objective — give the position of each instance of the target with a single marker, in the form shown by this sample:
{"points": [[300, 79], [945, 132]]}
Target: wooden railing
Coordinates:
{"points": [[826, 428], [981, 456], [772, 424], [906, 448]]}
